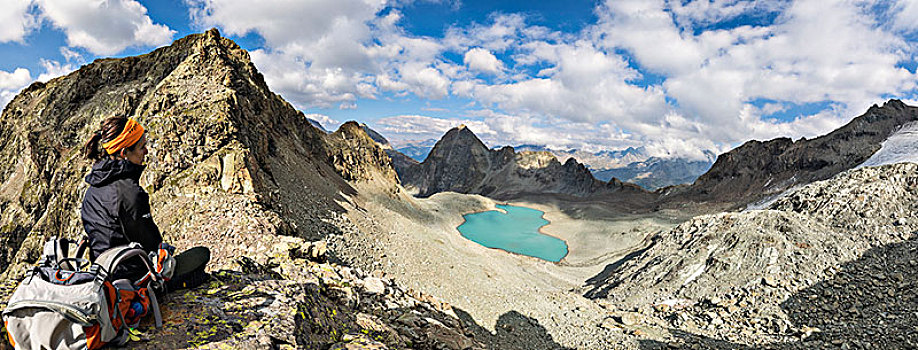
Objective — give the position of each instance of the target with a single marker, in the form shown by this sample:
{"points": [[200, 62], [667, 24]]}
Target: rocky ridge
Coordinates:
{"points": [[460, 162], [826, 265], [758, 169], [229, 162], [595, 160], [205, 109], [634, 165], [357, 155]]}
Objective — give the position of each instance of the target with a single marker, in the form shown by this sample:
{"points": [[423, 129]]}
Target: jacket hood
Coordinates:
{"points": [[106, 171]]}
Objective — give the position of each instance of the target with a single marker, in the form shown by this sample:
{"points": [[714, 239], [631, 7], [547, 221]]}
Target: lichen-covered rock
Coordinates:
{"points": [[357, 156], [358, 342], [232, 166], [293, 302]]}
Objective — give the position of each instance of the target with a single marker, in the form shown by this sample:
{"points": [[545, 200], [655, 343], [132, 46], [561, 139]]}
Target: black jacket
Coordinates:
{"points": [[116, 211]]}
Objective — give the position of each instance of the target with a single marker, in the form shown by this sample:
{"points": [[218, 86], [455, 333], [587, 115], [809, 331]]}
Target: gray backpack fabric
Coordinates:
{"points": [[66, 302]]}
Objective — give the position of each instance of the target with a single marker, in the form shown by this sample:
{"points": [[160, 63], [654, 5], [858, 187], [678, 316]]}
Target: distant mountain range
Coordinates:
{"points": [[655, 172], [460, 162], [596, 161], [630, 165], [635, 165], [417, 150]]}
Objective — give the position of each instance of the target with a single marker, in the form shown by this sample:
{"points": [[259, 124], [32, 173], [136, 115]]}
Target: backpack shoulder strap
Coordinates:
{"points": [[82, 247], [60, 251], [154, 305], [49, 253], [110, 259]]}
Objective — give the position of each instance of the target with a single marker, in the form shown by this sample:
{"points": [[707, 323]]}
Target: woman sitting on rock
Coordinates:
{"points": [[116, 210]]}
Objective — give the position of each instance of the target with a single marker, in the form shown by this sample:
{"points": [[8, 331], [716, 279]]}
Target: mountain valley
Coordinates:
{"points": [[337, 240]]}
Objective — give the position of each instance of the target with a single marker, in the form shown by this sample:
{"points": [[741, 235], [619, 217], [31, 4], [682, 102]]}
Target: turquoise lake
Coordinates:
{"points": [[515, 231]]}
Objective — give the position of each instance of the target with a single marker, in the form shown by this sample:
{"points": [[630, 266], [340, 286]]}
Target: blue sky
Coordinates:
{"points": [[677, 77]]}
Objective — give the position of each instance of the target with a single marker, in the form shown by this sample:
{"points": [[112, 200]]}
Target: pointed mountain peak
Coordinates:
{"points": [[212, 33], [357, 155], [895, 104], [461, 135]]}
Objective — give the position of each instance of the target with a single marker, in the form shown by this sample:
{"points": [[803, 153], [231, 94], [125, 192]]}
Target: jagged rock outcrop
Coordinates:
{"points": [[288, 299], [634, 165], [356, 155], [216, 131], [461, 163], [758, 169], [214, 126], [606, 159], [232, 166]]}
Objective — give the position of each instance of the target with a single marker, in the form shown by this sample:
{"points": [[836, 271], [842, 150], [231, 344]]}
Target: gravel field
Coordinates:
{"points": [[525, 302]]}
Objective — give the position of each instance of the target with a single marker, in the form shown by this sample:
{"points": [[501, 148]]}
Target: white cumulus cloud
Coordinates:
{"points": [[105, 27], [16, 20], [677, 77], [418, 127], [15, 79], [318, 53], [482, 60], [54, 69], [813, 52], [11, 83], [905, 15]]}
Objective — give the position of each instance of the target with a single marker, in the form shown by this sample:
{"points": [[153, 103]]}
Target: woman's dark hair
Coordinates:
{"points": [[109, 129]]}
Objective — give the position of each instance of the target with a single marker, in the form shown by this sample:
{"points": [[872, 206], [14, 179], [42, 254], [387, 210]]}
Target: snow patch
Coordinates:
{"points": [[900, 147]]}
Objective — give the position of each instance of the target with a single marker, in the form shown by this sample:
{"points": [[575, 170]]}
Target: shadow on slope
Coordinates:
{"points": [[257, 307], [872, 302], [596, 282], [513, 331]]}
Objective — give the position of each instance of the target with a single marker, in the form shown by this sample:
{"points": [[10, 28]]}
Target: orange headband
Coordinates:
{"points": [[128, 137]]}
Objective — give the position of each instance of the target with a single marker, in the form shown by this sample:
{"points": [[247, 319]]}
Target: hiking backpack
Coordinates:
{"points": [[67, 302]]}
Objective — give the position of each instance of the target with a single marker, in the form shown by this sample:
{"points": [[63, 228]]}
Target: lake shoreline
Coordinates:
{"points": [[538, 231]]}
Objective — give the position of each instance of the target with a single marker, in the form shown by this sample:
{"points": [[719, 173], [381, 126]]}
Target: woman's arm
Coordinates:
{"points": [[137, 221]]}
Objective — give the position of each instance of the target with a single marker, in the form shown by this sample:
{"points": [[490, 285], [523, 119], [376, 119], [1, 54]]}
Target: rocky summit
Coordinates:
{"points": [[229, 162], [460, 162]]}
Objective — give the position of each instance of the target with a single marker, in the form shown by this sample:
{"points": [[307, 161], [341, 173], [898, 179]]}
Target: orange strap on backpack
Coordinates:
{"points": [[8, 335]]}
